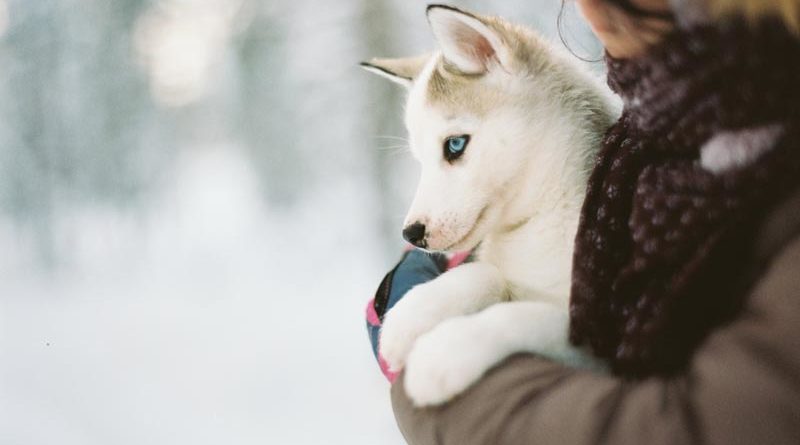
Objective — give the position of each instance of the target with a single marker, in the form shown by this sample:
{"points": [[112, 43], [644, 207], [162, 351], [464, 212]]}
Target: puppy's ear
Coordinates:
{"points": [[402, 71], [469, 42]]}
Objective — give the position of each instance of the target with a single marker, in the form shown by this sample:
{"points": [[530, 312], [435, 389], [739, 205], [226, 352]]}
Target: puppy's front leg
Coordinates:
{"points": [[455, 354], [464, 290]]}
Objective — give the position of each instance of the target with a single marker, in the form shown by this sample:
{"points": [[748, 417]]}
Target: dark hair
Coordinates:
{"points": [[637, 11], [624, 5]]}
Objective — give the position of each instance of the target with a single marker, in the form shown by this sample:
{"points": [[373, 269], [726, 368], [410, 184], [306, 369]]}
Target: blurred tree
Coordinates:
{"points": [[78, 124], [382, 120], [267, 121]]}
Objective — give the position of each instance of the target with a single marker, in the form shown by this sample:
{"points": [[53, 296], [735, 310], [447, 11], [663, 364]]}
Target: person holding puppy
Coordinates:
{"points": [[686, 273]]}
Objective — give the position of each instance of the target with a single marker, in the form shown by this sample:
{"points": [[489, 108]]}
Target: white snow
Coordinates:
{"points": [[210, 321]]}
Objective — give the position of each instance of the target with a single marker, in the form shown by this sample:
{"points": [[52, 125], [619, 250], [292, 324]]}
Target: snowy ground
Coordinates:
{"points": [[210, 321]]}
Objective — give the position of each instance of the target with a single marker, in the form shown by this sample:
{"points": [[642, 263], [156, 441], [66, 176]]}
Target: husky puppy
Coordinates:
{"points": [[506, 129]]}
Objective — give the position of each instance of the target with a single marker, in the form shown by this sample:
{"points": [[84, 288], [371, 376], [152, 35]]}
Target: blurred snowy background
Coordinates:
{"points": [[197, 198]]}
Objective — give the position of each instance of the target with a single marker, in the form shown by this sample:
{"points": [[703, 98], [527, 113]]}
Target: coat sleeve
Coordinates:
{"points": [[742, 387]]}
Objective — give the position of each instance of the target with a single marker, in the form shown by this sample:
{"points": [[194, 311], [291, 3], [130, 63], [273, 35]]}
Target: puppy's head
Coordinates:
{"points": [[468, 117]]}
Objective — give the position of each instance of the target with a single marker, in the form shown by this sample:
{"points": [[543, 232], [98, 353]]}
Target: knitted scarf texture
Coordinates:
{"points": [[663, 252]]}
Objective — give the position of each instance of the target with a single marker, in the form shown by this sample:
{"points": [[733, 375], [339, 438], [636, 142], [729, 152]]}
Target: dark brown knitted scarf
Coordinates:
{"points": [[663, 245]]}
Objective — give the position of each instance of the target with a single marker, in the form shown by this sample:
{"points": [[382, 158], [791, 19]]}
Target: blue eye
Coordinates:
{"points": [[454, 147]]}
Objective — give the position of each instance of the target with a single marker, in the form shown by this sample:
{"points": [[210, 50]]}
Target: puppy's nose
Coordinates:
{"points": [[415, 234]]}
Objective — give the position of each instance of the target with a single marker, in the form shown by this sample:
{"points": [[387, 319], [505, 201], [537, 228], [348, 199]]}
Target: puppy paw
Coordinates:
{"points": [[398, 334], [410, 318], [448, 360]]}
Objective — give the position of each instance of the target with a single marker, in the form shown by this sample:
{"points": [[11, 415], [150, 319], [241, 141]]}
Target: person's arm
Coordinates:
{"points": [[743, 387]]}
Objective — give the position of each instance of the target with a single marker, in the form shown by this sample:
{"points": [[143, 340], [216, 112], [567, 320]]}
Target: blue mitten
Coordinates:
{"points": [[416, 267]]}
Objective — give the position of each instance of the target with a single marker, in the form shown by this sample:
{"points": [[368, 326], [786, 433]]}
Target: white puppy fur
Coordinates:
{"points": [[535, 121]]}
